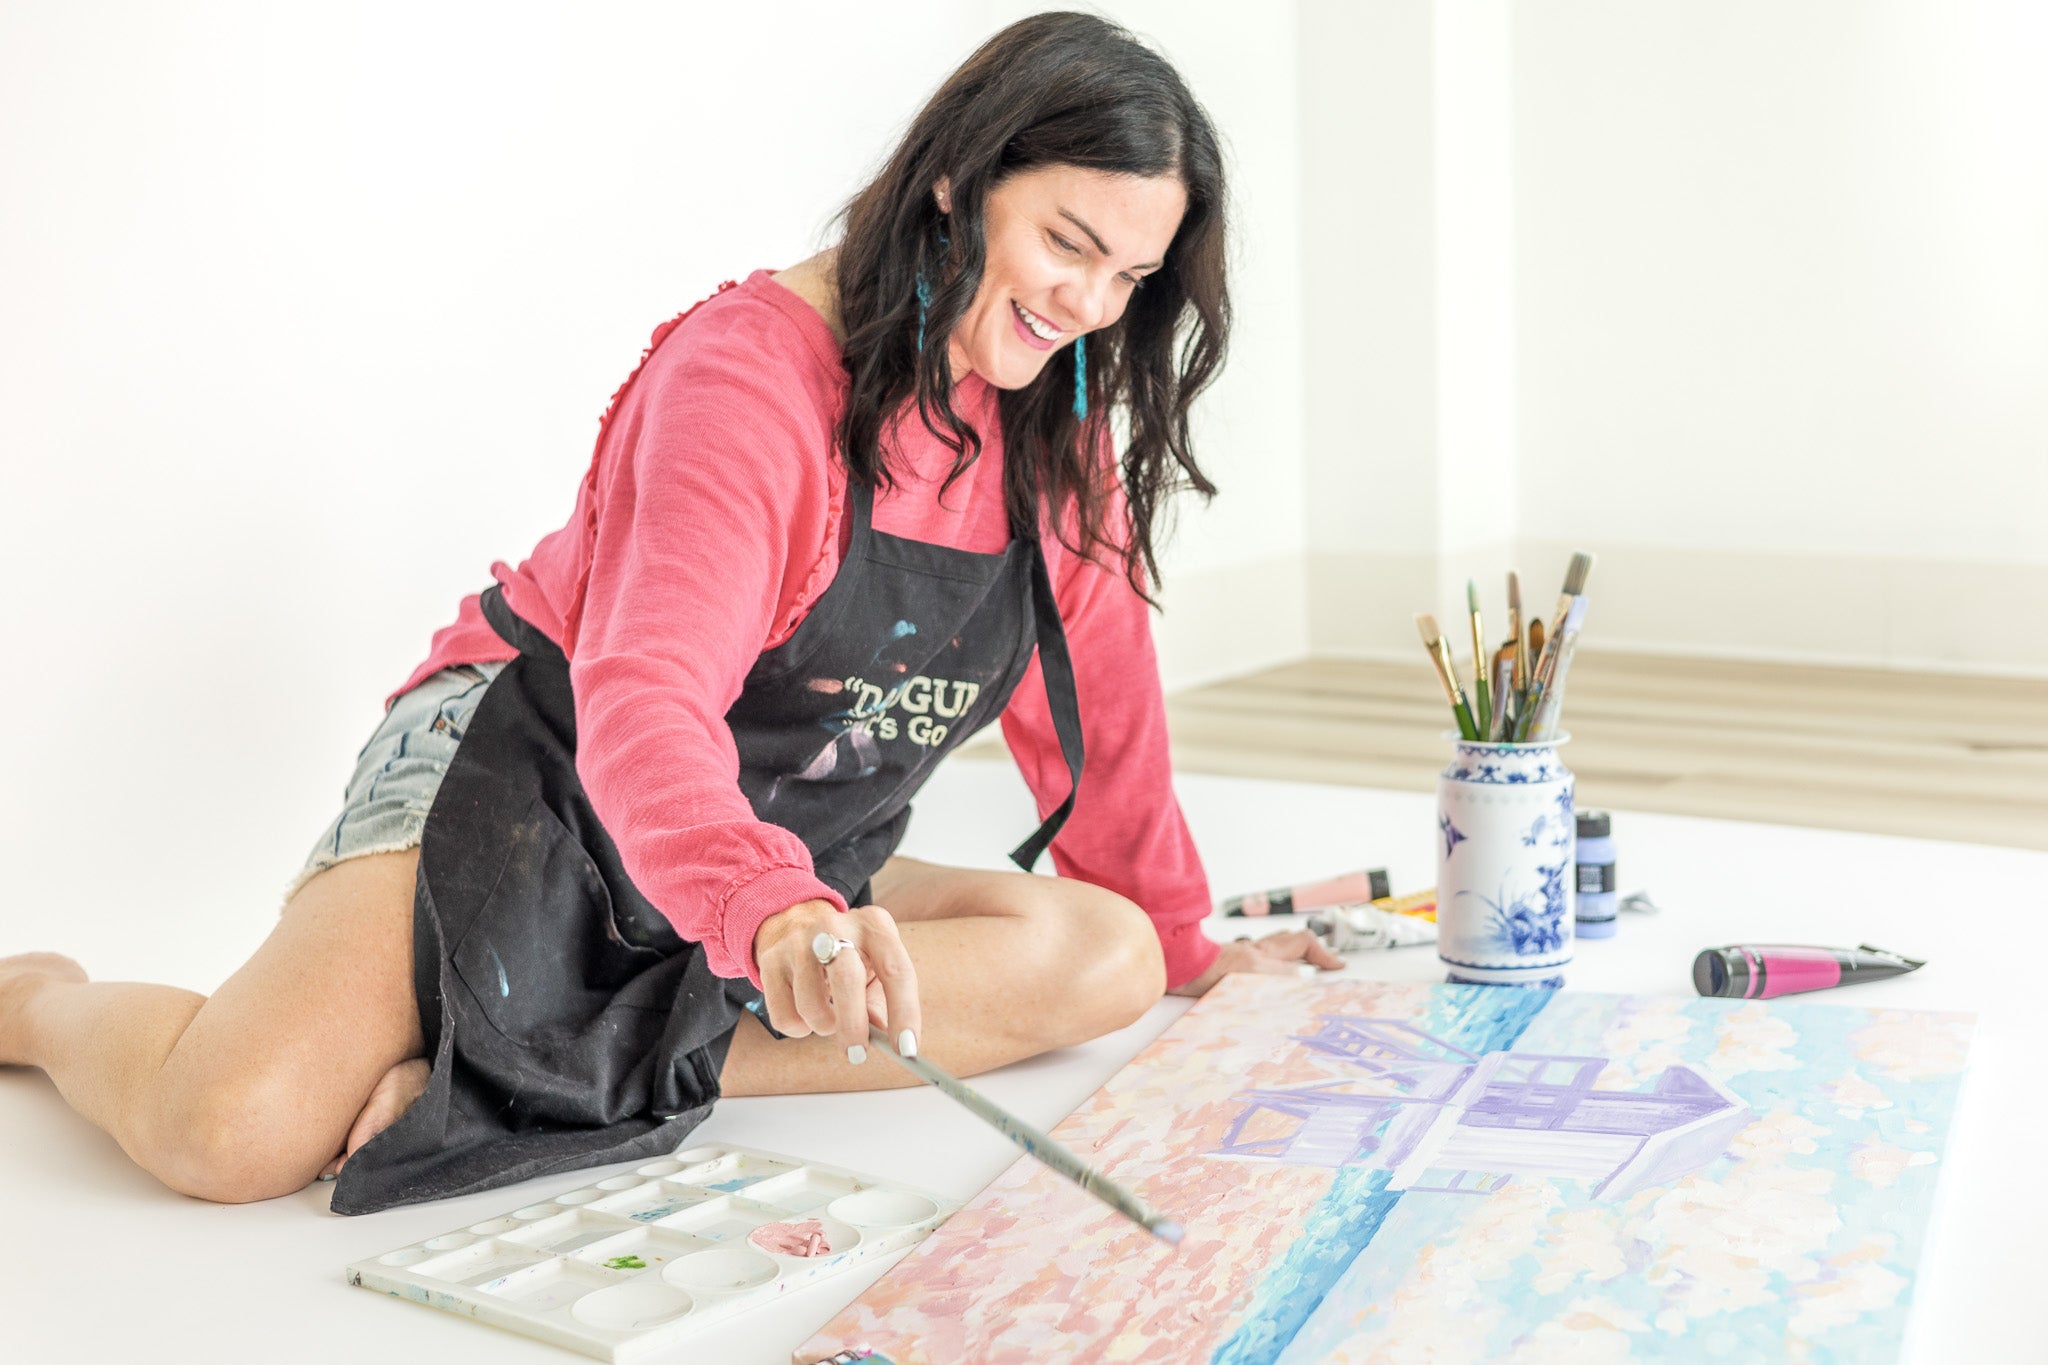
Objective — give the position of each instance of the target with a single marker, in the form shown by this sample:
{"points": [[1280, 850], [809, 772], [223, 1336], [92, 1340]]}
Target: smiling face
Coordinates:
{"points": [[1065, 250]]}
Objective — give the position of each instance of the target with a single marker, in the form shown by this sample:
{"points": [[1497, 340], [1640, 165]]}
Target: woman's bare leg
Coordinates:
{"points": [[249, 1093], [1008, 966]]}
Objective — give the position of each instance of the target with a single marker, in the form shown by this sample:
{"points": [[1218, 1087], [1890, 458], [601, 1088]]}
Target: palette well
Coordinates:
{"points": [[637, 1262]]}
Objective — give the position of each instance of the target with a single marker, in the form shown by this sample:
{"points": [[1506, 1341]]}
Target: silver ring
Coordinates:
{"points": [[826, 948]]}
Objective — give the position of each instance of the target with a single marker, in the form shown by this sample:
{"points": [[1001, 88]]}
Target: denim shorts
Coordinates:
{"points": [[384, 809]]}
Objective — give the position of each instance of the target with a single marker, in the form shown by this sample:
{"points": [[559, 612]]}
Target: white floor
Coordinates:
{"points": [[98, 1262]]}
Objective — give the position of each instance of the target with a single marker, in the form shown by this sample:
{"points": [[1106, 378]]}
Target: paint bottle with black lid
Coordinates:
{"points": [[1596, 903]]}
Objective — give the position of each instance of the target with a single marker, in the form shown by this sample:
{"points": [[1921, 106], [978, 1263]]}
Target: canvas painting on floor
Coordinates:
{"points": [[1400, 1173]]}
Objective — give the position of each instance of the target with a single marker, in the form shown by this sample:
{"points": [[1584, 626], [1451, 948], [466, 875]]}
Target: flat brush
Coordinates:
{"points": [[1534, 650], [1521, 646], [1440, 655], [1575, 575], [1482, 717], [1547, 672], [1553, 696], [1503, 726]]}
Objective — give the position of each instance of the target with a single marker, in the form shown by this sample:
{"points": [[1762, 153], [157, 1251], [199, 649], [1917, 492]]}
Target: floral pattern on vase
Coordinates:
{"points": [[1504, 885]]}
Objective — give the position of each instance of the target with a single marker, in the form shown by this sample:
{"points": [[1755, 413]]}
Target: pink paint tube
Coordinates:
{"points": [[1353, 888], [1759, 971]]}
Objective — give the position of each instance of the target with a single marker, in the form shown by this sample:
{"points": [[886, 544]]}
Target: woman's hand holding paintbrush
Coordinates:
{"points": [[802, 986], [851, 979]]}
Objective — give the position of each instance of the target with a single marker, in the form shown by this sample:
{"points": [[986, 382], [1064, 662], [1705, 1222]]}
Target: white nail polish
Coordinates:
{"points": [[906, 1043], [856, 1054]]}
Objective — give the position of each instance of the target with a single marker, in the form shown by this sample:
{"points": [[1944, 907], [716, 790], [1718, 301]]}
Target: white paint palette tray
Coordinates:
{"points": [[637, 1262]]}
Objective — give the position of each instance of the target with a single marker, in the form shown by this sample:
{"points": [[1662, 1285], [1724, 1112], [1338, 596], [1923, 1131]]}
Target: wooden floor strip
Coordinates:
{"points": [[1920, 754]]}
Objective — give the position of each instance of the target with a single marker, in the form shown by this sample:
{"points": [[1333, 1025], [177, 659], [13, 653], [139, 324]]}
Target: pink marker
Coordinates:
{"points": [[1762, 970], [1353, 888]]}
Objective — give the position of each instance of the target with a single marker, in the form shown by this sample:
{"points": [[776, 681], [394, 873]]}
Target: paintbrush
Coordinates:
{"points": [[1533, 650], [1546, 671], [1440, 655], [1544, 729], [1503, 693], [1543, 725], [1054, 1155], [1520, 646], [1575, 576], [1482, 717]]}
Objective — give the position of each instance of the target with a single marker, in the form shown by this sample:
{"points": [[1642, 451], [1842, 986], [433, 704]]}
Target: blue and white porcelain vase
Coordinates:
{"points": [[1504, 863]]}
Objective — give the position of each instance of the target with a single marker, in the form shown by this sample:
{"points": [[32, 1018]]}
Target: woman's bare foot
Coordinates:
{"points": [[21, 976], [392, 1096]]}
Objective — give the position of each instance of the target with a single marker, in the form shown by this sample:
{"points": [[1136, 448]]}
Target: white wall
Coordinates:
{"points": [[1783, 303], [1408, 313], [310, 314], [1776, 306]]}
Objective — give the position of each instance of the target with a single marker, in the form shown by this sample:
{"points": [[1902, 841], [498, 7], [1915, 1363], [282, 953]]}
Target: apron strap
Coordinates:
{"points": [[1063, 698], [862, 499], [513, 628]]}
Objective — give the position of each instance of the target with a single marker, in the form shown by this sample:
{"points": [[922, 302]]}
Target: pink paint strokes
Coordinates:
{"points": [[793, 1239], [1029, 1262], [1201, 1126]]}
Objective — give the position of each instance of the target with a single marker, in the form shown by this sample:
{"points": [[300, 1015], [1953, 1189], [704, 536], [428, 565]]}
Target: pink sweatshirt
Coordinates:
{"points": [[712, 518]]}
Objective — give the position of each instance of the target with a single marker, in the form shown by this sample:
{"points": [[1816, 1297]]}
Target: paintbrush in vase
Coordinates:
{"points": [[1547, 676], [1483, 702], [1533, 650], [1504, 697], [1035, 1143], [1520, 646], [1543, 723], [1440, 655], [1575, 575]]}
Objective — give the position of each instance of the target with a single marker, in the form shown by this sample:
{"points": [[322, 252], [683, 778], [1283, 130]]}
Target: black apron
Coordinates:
{"points": [[567, 1024]]}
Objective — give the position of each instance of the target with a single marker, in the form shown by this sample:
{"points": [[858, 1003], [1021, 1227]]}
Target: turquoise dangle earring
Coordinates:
{"points": [[1080, 376], [924, 290]]}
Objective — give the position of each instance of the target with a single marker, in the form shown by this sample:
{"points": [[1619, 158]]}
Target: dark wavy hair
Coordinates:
{"points": [[1054, 89]]}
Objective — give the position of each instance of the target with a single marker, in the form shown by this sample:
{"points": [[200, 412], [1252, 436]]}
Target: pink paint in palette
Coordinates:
{"points": [[637, 1262]]}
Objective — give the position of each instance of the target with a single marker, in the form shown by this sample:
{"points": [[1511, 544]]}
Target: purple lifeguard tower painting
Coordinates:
{"points": [[1375, 1173], [1440, 1119]]}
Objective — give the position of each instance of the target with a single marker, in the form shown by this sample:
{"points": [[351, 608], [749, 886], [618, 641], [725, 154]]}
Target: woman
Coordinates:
{"points": [[840, 517]]}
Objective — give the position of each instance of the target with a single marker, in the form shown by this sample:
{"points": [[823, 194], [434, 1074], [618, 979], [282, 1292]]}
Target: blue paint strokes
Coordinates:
{"points": [[504, 986], [901, 629], [728, 1186], [1478, 1019], [1338, 1228], [658, 1211]]}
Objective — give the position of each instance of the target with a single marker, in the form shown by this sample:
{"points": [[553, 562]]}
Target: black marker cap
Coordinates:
{"points": [[1721, 971]]}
